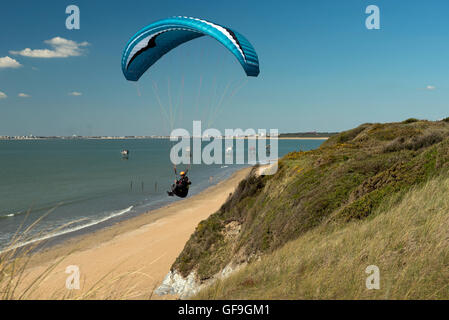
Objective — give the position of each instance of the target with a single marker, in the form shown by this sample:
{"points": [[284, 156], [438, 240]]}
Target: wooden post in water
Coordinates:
{"points": [[131, 186], [155, 186], [142, 186]]}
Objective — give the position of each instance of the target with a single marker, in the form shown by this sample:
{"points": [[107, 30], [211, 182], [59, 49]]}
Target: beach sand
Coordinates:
{"points": [[130, 259]]}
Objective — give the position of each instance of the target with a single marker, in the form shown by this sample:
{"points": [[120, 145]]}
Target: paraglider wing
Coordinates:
{"points": [[152, 42]]}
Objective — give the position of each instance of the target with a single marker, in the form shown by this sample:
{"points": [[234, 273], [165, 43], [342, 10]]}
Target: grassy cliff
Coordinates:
{"points": [[315, 198], [408, 242]]}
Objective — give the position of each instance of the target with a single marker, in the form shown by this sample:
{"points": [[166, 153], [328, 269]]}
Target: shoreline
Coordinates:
{"points": [[51, 240], [140, 250]]}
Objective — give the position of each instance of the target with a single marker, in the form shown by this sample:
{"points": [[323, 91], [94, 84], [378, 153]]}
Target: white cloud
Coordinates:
{"points": [[76, 94], [8, 62], [3, 95], [61, 48], [430, 88], [23, 95]]}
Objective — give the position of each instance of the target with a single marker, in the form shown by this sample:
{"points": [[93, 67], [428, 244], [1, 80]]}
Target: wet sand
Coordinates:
{"points": [[130, 259]]}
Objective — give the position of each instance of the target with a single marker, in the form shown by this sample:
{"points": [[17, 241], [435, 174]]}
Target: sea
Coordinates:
{"points": [[54, 189]]}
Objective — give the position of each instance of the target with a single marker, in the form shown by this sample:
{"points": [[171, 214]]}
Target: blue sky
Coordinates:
{"points": [[321, 69]]}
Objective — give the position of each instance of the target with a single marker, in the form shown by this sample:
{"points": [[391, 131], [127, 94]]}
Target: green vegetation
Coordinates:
{"points": [[410, 120], [314, 198], [408, 241]]}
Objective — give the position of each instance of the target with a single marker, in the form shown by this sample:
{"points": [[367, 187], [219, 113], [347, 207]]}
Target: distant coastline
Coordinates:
{"points": [[282, 136], [80, 137]]}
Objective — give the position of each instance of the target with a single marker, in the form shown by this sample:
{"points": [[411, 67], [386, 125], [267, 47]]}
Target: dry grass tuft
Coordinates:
{"points": [[16, 282]]}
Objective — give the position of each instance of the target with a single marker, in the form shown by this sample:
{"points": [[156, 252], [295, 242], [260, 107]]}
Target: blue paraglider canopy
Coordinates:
{"points": [[152, 42]]}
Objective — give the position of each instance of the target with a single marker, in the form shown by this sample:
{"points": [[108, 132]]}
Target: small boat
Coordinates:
{"points": [[124, 153], [188, 152]]}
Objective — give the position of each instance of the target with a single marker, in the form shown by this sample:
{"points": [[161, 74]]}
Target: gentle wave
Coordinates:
{"points": [[9, 215], [63, 232], [51, 206]]}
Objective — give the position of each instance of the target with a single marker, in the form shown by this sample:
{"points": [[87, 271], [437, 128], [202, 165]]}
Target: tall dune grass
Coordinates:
{"points": [[15, 259], [17, 284], [409, 242]]}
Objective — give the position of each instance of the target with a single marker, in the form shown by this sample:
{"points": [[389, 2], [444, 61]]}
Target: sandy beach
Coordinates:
{"points": [[130, 259]]}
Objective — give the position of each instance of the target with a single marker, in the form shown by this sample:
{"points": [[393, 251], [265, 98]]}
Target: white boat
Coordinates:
{"points": [[124, 153]]}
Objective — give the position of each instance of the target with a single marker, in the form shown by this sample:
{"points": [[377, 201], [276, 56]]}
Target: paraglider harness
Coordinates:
{"points": [[181, 186]]}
